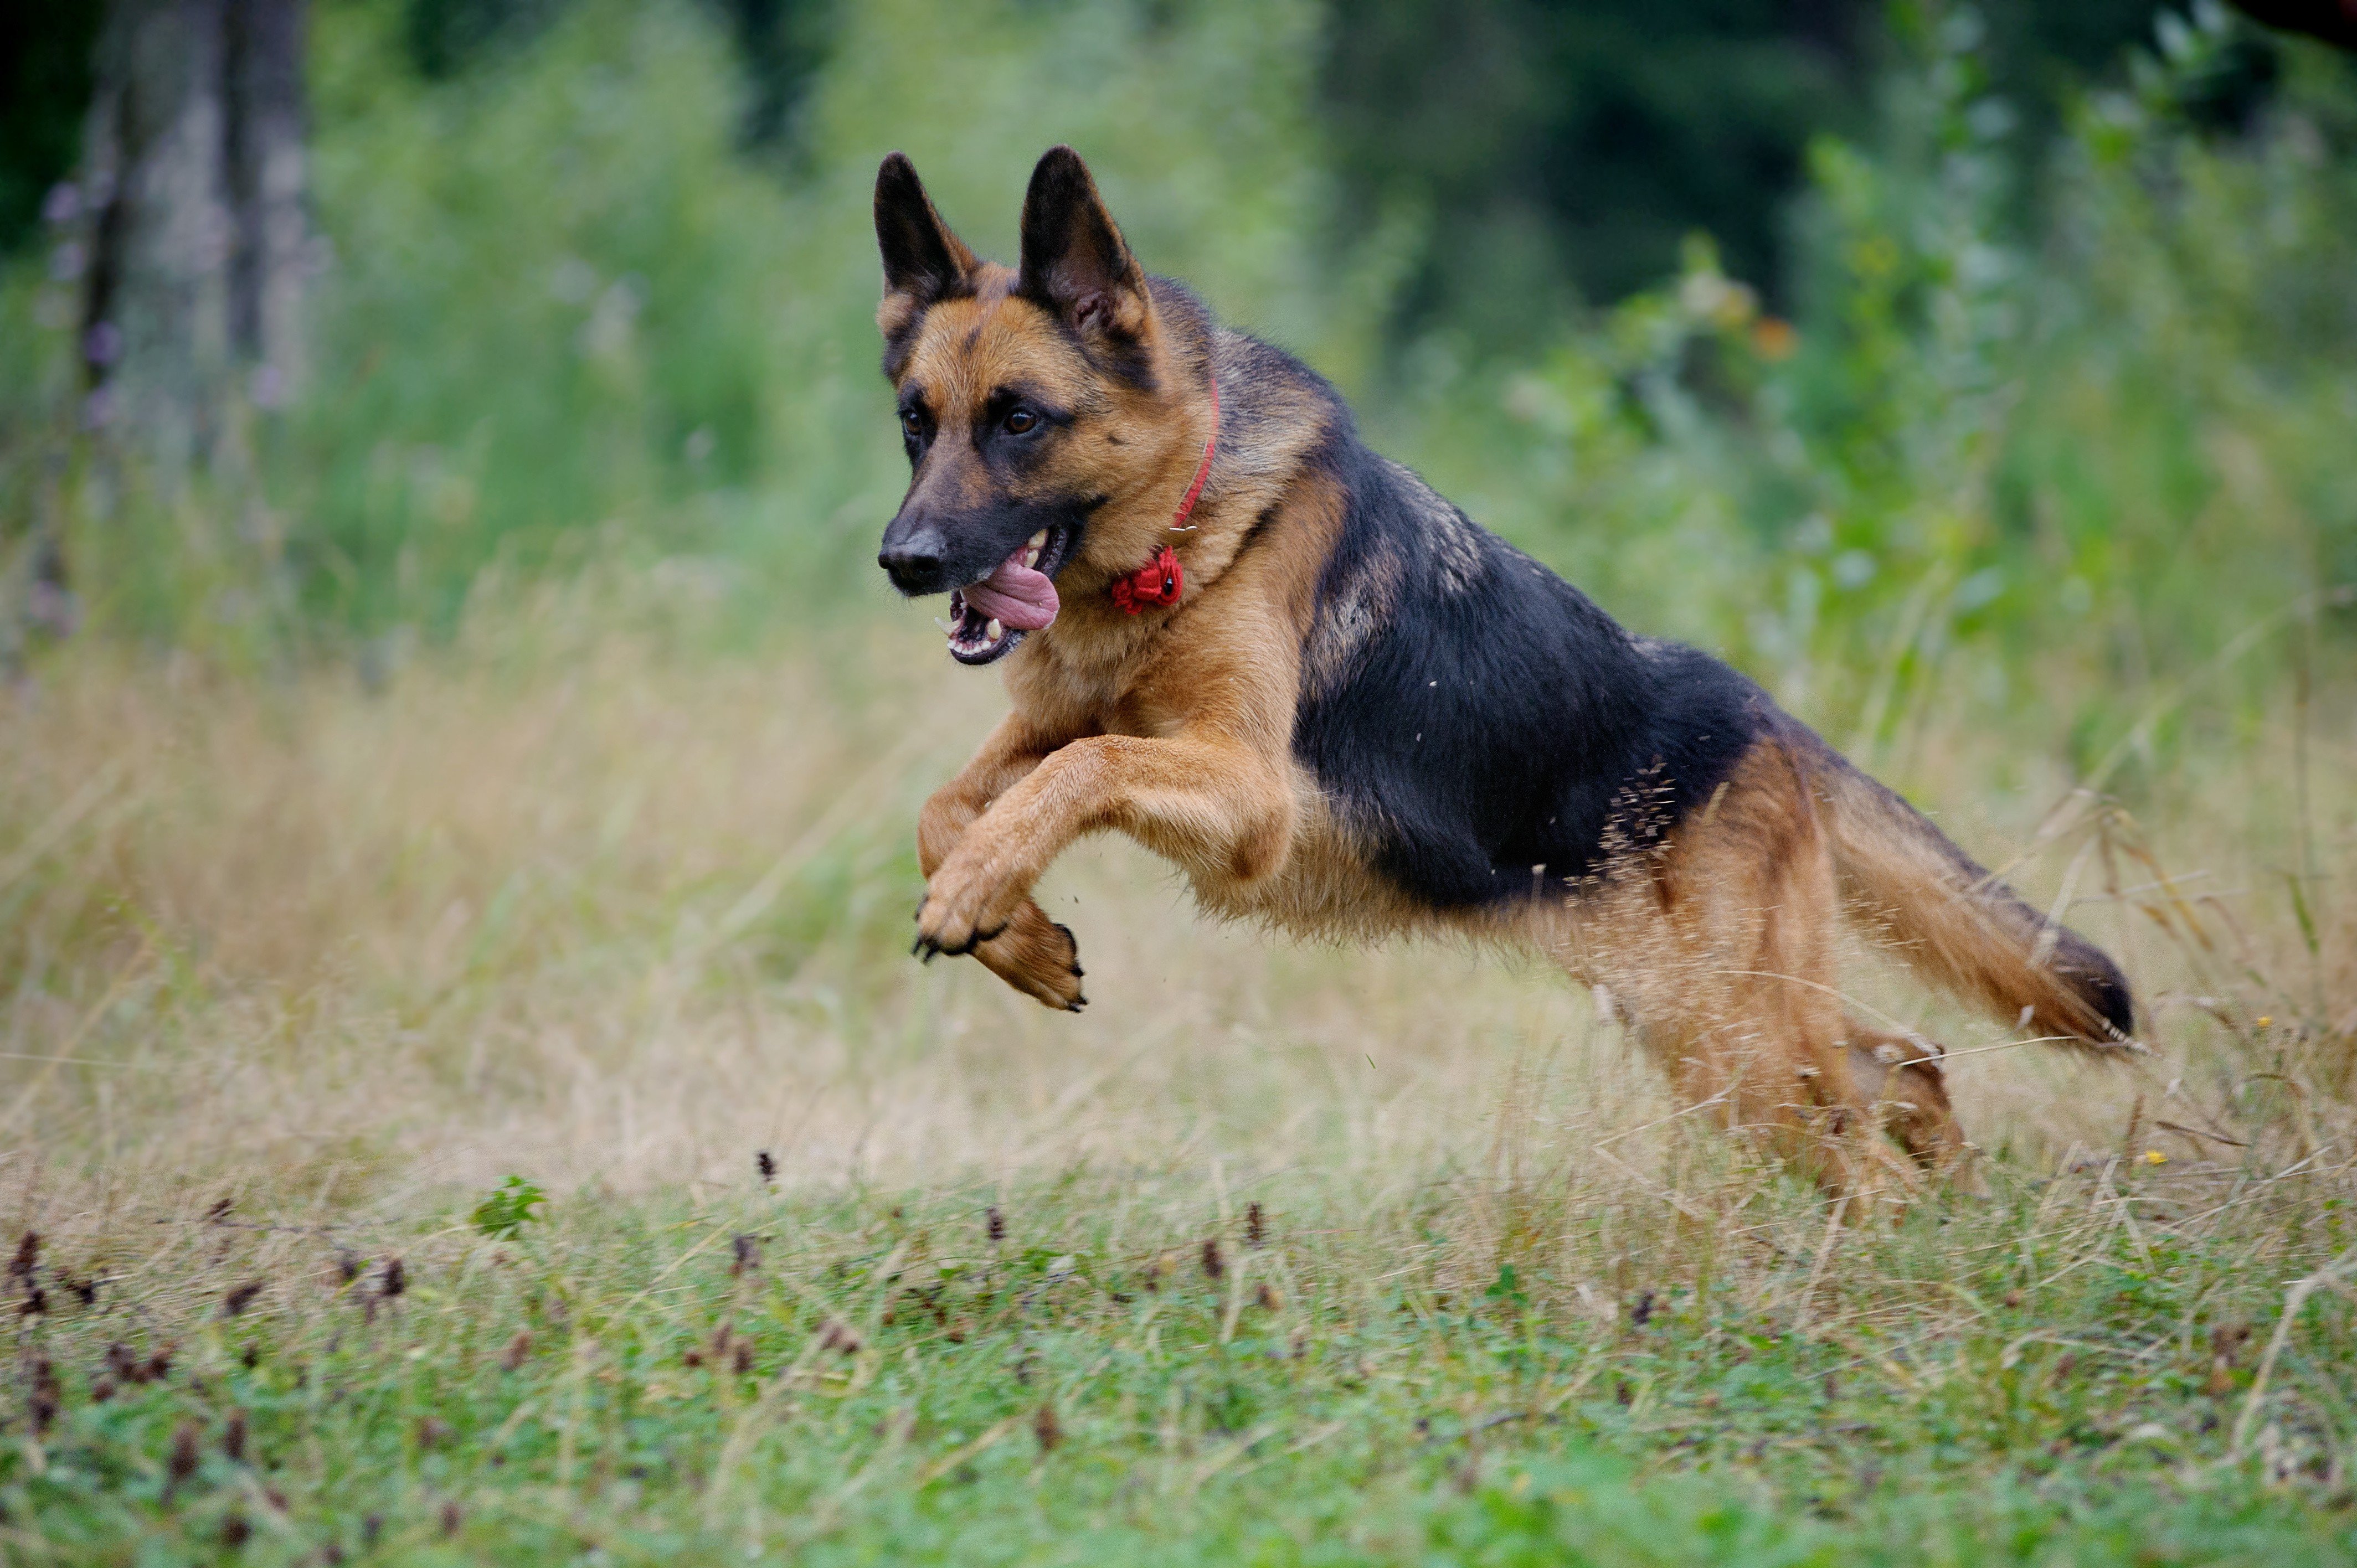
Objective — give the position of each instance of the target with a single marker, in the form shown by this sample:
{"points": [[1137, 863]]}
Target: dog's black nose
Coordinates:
{"points": [[915, 554], [914, 569]]}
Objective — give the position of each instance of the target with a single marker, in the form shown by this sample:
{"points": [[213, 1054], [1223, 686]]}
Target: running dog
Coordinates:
{"points": [[1286, 664]]}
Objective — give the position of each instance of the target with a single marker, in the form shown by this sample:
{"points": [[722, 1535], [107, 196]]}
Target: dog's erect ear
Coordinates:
{"points": [[1074, 260], [923, 262]]}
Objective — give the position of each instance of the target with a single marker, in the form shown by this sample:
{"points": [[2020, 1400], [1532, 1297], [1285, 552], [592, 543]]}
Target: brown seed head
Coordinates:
{"points": [[997, 1224], [837, 1335], [181, 1462], [1047, 1428], [45, 1399], [102, 1389], [237, 1298], [1215, 1266], [35, 1301], [1642, 1313], [452, 1518], [26, 1259], [1269, 1298], [433, 1432], [767, 1165], [236, 1531], [157, 1366], [516, 1350], [749, 1257], [396, 1279], [220, 1212], [740, 1357], [1255, 1229], [233, 1437]]}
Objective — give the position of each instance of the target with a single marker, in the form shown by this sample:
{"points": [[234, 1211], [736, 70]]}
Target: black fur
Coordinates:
{"points": [[921, 258], [1074, 260], [1472, 714]]}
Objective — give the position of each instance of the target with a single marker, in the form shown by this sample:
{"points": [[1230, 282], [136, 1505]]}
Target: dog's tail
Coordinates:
{"points": [[1960, 927]]}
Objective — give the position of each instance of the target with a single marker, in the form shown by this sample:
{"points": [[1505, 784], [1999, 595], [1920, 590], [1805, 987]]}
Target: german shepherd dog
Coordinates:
{"points": [[1282, 662]]}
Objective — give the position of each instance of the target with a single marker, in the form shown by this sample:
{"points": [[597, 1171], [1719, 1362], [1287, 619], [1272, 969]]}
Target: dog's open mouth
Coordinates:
{"points": [[988, 618]]}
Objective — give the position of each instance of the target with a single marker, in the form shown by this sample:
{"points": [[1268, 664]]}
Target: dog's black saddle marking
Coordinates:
{"points": [[1477, 717]]}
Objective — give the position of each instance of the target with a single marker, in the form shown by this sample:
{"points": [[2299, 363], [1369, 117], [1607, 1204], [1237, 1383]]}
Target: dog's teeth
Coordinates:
{"points": [[994, 631], [948, 627], [1031, 558], [1038, 539]]}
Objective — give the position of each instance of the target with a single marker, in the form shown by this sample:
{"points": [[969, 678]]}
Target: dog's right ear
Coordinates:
{"points": [[923, 262]]}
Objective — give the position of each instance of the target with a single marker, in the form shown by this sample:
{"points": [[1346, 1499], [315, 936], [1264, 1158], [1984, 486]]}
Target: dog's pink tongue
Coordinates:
{"points": [[1016, 594]]}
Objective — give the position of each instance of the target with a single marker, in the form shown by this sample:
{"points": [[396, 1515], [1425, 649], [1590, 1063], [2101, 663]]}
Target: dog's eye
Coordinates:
{"points": [[1021, 422], [912, 423]]}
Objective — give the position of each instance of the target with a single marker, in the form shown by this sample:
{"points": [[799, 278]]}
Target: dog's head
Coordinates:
{"points": [[1033, 401]]}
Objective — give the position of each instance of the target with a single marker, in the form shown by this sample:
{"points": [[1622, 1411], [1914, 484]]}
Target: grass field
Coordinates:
{"points": [[1278, 1254]]}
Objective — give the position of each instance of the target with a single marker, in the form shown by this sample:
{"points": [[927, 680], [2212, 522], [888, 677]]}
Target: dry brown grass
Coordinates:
{"points": [[560, 900]]}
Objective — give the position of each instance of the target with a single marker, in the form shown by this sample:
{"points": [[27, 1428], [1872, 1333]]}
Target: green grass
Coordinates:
{"points": [[2051, 1375]]}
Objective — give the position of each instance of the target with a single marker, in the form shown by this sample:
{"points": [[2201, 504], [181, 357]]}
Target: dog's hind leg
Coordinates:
{"points": [[1901, 1074], [1720, 944]]}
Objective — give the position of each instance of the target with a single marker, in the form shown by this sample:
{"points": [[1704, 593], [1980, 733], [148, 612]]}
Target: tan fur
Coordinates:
{"points": [[1717, 946], [1957, 926]]}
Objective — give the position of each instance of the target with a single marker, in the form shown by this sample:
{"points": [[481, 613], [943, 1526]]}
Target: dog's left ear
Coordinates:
{"points": [[1074, 260]]}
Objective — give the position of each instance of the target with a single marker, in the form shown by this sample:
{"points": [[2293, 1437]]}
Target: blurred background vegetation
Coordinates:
{"points": [[1926, 359]]}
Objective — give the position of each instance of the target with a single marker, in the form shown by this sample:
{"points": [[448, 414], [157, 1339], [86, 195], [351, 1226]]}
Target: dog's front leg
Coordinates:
{"points": [[1033, 954], [1209, 801]]}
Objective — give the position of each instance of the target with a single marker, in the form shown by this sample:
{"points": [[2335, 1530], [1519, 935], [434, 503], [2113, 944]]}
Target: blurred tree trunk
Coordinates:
{"points": [[195, 182]]}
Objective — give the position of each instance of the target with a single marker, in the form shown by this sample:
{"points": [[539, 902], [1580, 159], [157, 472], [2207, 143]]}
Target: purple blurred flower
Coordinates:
{"points": [[102, 344], [63, 204]]}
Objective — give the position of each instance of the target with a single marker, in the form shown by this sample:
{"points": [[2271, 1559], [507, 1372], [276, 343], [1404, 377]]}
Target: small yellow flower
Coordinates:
{"points": [[2155, 1157], [2266, 1019]]}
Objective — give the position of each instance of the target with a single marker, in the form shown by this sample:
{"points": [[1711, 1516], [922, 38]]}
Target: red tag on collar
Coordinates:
{"points": [[1159, 582]]}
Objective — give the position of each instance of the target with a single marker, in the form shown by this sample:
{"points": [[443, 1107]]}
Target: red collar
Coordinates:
{"points": [[1161, 580]]}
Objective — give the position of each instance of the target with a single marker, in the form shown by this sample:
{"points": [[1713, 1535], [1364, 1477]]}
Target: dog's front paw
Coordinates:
{"points": [[1038, 957], [960, 911]]}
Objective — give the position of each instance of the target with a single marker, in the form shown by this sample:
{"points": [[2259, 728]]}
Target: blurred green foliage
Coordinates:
{"points": [[1566, 150], [572, 309]]}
